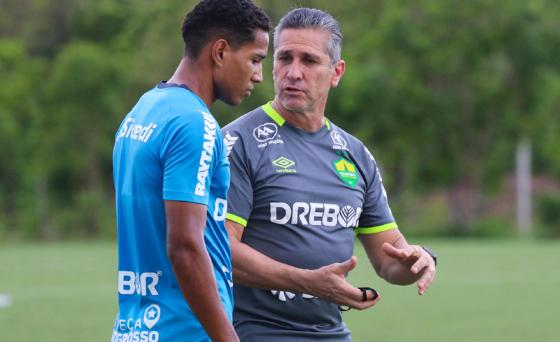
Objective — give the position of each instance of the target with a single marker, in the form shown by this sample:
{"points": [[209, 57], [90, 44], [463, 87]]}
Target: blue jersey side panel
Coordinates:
{"points": [[169, 147]]}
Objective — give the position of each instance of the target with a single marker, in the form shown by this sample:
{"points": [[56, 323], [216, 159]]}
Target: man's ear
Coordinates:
{"points": [[218, 50], [339, 68]]}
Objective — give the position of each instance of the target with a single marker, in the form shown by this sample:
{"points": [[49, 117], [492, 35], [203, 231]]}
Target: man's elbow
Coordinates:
{"points": [[179, 253]]}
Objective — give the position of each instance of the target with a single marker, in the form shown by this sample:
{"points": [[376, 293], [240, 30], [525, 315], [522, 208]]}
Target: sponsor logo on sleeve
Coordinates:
{"points": [[210, 126], [229, 141], [130, 130]]}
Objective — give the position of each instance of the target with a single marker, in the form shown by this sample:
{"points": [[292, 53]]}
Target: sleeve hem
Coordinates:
{"points": [[376, 229], [169, 195], [237, 219]]}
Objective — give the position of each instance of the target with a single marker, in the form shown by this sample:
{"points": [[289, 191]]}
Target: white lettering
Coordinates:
{"points": [[136, 132], [296, 214], [274, 206], [220, 209], [130, 283], [330, 215], [314, 214], [206, 155]]}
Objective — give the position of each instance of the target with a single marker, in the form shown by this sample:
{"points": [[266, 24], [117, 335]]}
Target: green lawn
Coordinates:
{"points": [[485, 291]]}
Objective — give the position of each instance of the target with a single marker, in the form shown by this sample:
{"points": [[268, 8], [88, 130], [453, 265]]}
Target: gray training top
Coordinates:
{"points": [[302, 197]]}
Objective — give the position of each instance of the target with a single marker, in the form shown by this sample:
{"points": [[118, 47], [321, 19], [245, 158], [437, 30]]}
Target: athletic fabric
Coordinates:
{"points": [[302, 197], [169, 147]]}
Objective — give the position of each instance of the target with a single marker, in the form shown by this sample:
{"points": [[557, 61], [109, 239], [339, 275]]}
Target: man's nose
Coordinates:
{"points": [[295, 71], [258, 75]]}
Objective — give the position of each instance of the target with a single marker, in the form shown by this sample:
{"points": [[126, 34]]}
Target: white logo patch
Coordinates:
{"points": [[265, 132], [229, 141], [338, 141], [151, 315]]}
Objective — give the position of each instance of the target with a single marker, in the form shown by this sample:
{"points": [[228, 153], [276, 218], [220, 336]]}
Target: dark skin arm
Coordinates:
{"points": [[191, 263]]}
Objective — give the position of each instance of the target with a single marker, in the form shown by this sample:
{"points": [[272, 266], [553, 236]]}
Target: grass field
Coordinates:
{"points": [[485, 291]]}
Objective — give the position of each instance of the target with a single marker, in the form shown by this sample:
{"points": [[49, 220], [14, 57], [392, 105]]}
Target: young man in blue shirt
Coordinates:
{"points": [[171, 178]]}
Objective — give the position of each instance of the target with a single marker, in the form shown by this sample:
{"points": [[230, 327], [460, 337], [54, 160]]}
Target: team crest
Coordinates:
{"points": [[346, 170]]}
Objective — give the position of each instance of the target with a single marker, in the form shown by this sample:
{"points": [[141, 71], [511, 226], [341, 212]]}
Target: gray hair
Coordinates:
{"points": [[302, 18]]}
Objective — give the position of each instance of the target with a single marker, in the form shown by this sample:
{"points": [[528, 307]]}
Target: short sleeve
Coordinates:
{"points": [[376, 216], [188, 156], [240, 195]]}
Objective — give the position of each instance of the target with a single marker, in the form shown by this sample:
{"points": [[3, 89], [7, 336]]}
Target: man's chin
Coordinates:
{"points": [[233, 101], [294, 105]]}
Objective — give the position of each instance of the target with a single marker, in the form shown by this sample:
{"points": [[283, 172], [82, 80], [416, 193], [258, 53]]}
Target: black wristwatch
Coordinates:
{"points": [[432, 254]]}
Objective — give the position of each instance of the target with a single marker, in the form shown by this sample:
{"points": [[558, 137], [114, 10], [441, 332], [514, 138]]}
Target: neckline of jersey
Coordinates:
{"points": [[166, 85], [280, 121], [274, 115]]}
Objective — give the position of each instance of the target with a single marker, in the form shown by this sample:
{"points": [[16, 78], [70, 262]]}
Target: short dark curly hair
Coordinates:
{"points": [[234, 20]]}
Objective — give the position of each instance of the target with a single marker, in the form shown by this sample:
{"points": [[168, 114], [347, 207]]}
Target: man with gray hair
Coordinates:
{"points": [[301, 190]]}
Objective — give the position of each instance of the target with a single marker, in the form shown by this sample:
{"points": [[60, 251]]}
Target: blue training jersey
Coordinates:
{"points": [[169, 147]]}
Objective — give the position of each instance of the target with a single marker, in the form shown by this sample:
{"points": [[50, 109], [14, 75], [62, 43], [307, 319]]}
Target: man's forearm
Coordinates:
{"points": [[195, 275], [254, 269]]}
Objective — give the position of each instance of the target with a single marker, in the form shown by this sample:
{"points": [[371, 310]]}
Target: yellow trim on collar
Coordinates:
{"points": [[274, 115]]}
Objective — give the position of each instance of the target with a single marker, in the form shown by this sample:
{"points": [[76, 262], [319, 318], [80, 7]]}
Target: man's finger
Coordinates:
{"points": [[394, 252], [425, 280], [346, 266], [419, 265], [359, 305]]}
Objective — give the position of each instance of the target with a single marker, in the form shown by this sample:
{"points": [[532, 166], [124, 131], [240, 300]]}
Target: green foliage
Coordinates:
{"points": [[441, 92]]}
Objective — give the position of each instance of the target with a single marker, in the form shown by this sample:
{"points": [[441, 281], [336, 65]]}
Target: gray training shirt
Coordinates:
{"points": [[302, 197]]}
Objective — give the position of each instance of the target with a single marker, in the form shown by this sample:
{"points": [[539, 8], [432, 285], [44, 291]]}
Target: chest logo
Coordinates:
{"points": [[265, 132], [346, 170], [339, 143], [284, 165]]}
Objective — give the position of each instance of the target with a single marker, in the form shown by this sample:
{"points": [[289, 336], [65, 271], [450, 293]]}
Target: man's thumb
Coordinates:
{"points": [[348, 265]]}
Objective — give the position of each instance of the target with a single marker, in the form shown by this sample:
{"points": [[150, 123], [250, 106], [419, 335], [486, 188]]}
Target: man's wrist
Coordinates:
{"points": [[431, 253]]}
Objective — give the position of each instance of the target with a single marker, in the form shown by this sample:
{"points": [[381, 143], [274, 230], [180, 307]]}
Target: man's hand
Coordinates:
{"points": [[417, 260], [329, 282]]}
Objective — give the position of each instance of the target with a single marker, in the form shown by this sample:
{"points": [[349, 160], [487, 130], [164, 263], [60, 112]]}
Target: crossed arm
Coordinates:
{"points": [[389, 253]]}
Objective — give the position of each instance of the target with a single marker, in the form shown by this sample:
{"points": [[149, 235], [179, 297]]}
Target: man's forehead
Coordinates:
{"points": [[302, 41]]}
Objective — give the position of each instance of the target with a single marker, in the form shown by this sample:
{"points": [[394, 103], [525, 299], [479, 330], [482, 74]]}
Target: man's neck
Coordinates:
{"points": [[310, 121], [196, 77]]}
